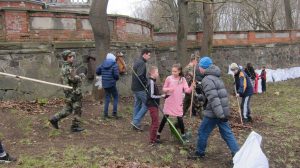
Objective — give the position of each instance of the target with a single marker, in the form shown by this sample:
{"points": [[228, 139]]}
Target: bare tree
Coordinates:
{"points": [[182, 32], [207, 40], [99, 23], [288, 14]]}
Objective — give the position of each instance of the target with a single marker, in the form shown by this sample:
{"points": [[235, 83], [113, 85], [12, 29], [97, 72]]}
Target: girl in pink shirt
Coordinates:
{"points": [[175, 86]]}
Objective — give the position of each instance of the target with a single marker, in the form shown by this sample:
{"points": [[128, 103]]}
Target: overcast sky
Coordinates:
{"points": [[123, 7]]}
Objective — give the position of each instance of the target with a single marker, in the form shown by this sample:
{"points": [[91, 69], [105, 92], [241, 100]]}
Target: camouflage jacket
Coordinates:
{"points": [[188, 72], [69, 77]]}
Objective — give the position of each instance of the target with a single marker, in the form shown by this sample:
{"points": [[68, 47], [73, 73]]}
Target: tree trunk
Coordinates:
{"points": [[208, 32], [99, 23], [288, 14], [182, 32]]}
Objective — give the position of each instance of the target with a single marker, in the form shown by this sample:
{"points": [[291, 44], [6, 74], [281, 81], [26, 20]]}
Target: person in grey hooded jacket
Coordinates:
{"points": [[216, 111]]}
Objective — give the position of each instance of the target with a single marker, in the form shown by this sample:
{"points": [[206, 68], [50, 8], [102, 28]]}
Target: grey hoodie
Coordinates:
{"points": [[216, 94]]}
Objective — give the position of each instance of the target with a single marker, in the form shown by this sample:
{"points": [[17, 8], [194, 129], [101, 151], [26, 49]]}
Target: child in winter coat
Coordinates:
{"points": [[174, 87], [216, 111], [263, 76], [244, 90], [153, 102], [110, 75]]}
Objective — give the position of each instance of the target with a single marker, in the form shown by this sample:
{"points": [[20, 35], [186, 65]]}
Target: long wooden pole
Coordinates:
{"points": [[192, 98], [35, 80], [239, 107]]}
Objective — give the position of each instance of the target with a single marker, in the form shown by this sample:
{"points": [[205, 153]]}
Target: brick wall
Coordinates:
{"points": [[21, 4], [33, 24], [232, 38]]}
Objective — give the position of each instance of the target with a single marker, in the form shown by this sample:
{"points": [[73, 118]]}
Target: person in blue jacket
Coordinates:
{"points": [[244, 90], [109, 71]]}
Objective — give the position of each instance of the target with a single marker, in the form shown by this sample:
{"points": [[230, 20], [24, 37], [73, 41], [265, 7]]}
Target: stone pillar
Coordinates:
{"points": [[16, 23], [121, 29]]}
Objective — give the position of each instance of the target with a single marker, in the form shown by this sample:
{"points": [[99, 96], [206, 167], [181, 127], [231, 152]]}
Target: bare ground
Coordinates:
{"points": [[27, 135]]}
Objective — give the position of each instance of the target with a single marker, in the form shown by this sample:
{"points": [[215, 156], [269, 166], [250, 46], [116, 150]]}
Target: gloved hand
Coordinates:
{"points": [[200, 97], [77, 78], [224, 119], [82, 76]]}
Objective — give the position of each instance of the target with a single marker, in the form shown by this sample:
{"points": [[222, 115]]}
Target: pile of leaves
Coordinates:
{"points": [[38, 106]]}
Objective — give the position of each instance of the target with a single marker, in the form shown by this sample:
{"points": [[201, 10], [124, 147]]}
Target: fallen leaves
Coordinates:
{"points": [[32, 107]]}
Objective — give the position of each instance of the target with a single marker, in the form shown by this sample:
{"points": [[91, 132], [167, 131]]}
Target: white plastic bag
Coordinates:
{"points": [[250, 155], [99, 82]]}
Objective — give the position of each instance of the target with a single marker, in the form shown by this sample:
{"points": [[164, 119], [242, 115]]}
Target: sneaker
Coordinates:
{"points": [[185, 138], [76, 129], [195, 156], [7, 159], [245, 120], [135, 127], [116, 117], [54, 123], [105, 117]]}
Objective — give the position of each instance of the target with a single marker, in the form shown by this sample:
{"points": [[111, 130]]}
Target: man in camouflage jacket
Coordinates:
{"points": [[73, 96], [188, 72]]}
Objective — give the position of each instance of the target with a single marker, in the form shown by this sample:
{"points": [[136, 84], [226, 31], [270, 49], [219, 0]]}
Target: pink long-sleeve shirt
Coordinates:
{"points": [[174, 87]]}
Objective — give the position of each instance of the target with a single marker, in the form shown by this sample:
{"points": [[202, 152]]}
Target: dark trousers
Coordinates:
{"points": [[154, 124], [164, 120], [1, 148], [186, 103], [111, 92], [263, 85], [245, 107]]}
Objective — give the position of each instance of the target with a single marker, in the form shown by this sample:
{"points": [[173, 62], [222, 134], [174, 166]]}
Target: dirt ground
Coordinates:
{"points": [[27, 135]]}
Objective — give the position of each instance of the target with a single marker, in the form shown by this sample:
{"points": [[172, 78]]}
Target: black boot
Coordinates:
{"points": [[76, 128], [54, 122]]}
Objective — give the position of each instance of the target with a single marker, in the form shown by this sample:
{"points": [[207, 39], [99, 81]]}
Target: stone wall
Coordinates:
{"points": [[270, 55], [42, 61]]}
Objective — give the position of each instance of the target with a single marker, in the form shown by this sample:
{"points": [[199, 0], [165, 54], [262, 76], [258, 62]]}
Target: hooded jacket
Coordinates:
{"points": [[109, 71], [243, 84], [215, 93]]}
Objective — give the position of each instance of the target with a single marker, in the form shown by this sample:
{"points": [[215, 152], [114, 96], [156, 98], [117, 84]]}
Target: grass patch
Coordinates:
{"points": [[54, 133], [279, 109]]}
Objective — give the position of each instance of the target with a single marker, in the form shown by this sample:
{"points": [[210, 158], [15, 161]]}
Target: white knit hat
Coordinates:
{"points": [[234, 66], [111, 56]]}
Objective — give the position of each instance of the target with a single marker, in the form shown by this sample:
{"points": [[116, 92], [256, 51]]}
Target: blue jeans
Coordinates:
{"points": [[207, 126], [140, 108], [112, 91]]}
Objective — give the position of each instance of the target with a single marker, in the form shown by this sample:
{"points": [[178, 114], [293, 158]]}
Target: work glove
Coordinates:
{"points": [[82, 76], [200, 97]]}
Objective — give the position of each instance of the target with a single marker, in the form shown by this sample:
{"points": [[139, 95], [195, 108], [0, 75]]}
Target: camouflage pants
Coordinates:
{"points": [[186, 103], [71, 106], [197, 105]]}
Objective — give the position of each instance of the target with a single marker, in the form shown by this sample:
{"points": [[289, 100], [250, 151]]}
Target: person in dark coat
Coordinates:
{"points": [[244, 90], [251, 73], [216, 110], [109, 71], [138, 84], [263, 76]]}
